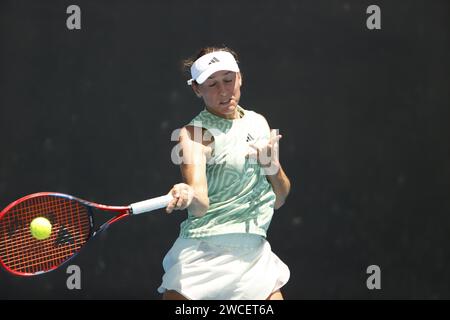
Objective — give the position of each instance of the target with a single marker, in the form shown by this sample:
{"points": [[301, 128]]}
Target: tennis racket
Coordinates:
{"points": [[72, 221]]}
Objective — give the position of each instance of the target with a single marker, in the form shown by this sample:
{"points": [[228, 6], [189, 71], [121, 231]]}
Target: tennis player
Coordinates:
{"points": [[232, 183]]}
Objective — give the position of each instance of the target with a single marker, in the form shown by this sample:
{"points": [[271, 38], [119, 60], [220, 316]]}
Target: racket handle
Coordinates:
{"points": [[151, 204]]}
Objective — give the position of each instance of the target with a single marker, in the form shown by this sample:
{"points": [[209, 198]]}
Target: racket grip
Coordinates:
{"points": [[151, 204]]}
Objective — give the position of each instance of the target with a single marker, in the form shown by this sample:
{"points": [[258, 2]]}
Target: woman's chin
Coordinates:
{"points": [[228, 108], [225, 110]]}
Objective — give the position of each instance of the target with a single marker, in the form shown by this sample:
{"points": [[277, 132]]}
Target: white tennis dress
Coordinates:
{"points": [[226, 267]]}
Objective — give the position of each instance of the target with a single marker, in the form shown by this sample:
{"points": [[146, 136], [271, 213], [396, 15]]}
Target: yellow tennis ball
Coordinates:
{"points": [[40, 228]]}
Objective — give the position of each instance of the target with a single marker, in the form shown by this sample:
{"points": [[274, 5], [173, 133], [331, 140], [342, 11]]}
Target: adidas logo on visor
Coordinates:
{"points": [[213, 60]]}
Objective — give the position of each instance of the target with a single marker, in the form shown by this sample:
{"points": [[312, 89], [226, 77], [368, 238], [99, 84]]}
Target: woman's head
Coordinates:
{"points": [[216, 79]]}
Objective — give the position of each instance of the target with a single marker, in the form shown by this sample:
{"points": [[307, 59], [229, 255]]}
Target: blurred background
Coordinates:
{"points": [[364, 116]]}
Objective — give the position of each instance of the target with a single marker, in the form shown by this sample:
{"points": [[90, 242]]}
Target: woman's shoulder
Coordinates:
{"points": [[201, 116], [255, 116], [203, 120], [197, 133]]}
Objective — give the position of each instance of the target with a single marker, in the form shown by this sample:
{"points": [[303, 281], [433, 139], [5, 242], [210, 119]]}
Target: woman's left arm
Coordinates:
{"points": [[268, 158], [281, 186]]}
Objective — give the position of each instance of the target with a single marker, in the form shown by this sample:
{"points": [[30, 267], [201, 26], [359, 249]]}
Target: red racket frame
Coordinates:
{"points": [[123, 211]]}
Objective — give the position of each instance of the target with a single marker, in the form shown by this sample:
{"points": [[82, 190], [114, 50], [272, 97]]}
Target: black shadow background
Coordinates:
{"points": [[364, 114]]}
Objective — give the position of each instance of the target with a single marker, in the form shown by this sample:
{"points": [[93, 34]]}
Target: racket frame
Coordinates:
{"points": [[121, 211]]}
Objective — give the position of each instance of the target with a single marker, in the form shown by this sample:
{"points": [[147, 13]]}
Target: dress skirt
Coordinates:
{"points": [[223, 267]]}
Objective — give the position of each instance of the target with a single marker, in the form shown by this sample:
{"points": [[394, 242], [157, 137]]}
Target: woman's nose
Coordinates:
{"points": [[222, 90]]}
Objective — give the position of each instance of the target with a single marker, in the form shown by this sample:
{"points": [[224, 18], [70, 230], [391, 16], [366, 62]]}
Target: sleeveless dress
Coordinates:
{"points": [[224, 254]]}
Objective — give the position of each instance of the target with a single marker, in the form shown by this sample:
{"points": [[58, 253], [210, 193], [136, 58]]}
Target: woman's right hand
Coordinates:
{"points": [[183, 194]]}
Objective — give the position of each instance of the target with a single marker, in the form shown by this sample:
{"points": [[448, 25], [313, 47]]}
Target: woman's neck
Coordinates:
{"points": [[236, 114]]}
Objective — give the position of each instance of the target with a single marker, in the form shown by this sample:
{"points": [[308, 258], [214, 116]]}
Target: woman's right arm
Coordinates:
{"points": [[193, 192]]}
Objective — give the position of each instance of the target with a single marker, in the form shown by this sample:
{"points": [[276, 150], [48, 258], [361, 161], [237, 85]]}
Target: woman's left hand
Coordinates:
{"points": [[267, 153]]}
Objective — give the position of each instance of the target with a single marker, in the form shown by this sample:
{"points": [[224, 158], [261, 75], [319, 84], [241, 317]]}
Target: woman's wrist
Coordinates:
{"points": [[273, 169]]}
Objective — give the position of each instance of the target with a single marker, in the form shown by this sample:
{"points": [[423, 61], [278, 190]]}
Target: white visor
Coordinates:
{"points": [[212, 62]]}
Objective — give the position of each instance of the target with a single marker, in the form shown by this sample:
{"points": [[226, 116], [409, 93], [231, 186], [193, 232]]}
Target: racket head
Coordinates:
{"points": [[72, 226]]}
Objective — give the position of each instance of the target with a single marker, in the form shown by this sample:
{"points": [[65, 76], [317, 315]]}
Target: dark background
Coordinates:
{"points": [[364, 115]]}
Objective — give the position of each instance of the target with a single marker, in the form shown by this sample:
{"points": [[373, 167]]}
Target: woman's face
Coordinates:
{"points": [[221, 93]]}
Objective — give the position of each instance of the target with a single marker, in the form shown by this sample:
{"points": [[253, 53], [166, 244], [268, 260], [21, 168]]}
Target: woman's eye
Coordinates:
{"points": [[227, 80], [212, 85]]}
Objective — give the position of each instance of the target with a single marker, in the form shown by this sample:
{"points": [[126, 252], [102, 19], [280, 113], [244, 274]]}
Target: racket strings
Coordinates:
{"points": [[22, 253]]}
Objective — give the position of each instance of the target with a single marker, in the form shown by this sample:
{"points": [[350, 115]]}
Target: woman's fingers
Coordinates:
{"points": [[171, 205], [265, 150], [274, 138], [175, 193], [182, 196], [180, 202]]}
